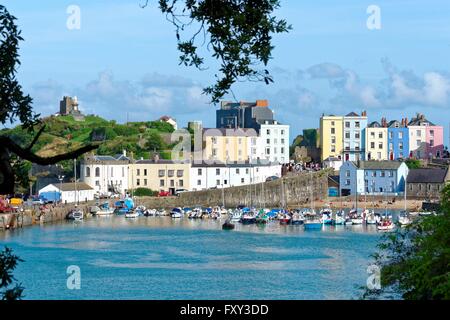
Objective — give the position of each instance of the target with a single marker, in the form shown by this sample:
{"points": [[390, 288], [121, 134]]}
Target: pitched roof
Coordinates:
{"points": [[378, 165], [374, 124], [427, 175], [71, 186], [352, 114]]}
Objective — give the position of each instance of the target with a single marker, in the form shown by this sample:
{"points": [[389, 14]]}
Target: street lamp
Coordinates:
{"points": [[60, 178]]}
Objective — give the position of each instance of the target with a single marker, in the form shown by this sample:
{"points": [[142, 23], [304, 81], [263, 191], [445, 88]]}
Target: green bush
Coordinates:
{"points": [[145, 192]]}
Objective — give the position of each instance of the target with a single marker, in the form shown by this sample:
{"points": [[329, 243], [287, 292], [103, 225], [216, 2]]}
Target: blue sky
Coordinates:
{"points": [[124, 60]]}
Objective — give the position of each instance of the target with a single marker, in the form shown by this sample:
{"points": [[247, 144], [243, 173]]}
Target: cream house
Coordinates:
{"points": [[376, 142], [228, 145], [158, 175]]}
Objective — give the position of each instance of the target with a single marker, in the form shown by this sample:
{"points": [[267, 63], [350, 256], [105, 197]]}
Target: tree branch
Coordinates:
{"points": [[36, 137], [28, 155]]}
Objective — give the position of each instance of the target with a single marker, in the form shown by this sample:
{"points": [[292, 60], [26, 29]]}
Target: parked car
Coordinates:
{"points": [[178, 191], [163, 193], [272, 178]]}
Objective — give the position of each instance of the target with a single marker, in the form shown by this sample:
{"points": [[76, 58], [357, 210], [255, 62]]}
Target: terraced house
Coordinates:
{"points": [[376, 141], [426, 140]]}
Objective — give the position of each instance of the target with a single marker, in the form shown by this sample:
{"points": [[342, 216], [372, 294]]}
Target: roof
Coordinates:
{"points": [[378, 165], [245, 132], [374, 124], [332, 159], [427, 175], [71, 186], [166, 118], [161, 161], [352, 114], [420, 120]]}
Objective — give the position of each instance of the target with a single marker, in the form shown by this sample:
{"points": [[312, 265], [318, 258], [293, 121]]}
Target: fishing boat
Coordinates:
{"points": [[337, 218], [161, 212], [176, 213], [124, 206], [104, 210], [150, 213], [187, 210], [248, 216], [312, 223], [262, 217], [404, 219], [297, 218], [75, 215], [386, 225], [236, 216], [285, 218]]}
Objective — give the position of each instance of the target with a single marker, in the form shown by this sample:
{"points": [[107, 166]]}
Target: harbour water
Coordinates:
{"points": [[164, 258]]}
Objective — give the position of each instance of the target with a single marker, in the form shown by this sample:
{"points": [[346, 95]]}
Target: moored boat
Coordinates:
{"points": [[176, 213]]}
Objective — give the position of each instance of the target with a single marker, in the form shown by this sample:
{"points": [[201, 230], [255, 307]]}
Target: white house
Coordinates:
{"points": [[71, 192], [272, 144], [106, 173], [373, 177], [205, 176], [332, 162], [170, 121]]}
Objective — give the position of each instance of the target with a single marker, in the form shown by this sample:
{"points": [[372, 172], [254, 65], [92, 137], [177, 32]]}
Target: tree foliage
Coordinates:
{"points": [[10, 289], [413, 163], [17, 106], [238, 32], [415, 261]]}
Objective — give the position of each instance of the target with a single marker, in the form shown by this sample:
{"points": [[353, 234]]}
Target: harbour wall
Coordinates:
{"points": [[291, 191]]}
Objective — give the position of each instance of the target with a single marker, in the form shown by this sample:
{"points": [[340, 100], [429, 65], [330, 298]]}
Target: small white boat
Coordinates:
{"points": [[150, 212], [357, 220], [141, 208], [161, 212], [104, 212], [132, 214], [425, 213], [236, 216], [404, 219], [176, 213], [371, 219]]}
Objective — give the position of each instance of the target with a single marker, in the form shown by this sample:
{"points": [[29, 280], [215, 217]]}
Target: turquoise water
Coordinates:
{"points": [[161, 258]]}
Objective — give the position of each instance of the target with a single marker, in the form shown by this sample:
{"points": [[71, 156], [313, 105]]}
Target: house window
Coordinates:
{"points": [[379, 155], [240, 140], [282, 132], [161, 183], [145, 182], [171, 173], [431, 143], [242, 180], [333, 139], [237, 171], [214, 152], [282, 141], [267, 150], [357, 124], [145, 172], [217, 182], [268, 131], [97, 172], [199, 172], [347, 135], [138, 172], [282, 150], [380, 135], [347, 124], [161, 173], [199, 182], [217, 172], [400, 135], [400, 146], [246, 170], [391, 146], [333, 148], [372, 145], [214, 140], [347, 173], [391, 134], [380, 145], [382, 174], [181, 183], [357, 135], [418, 142], [332, 123], [347, 182], [374, 173], [88, 172], [138, 182], [97, 183], [172, 183], [418, 133], [431, 133], [333, 130], [225, 181], [372, 134], [180, 173], [123, 172], [268, 141]]}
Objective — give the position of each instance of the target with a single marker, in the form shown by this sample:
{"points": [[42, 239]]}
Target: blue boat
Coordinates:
{"points": [[124, 206]]}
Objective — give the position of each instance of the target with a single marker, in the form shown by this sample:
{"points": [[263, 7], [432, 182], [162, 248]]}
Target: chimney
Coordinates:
{"points": [[124, 152], [156, 157]]}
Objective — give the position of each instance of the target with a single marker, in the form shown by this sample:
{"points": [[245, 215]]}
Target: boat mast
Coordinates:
{"points": [[405, 192]]}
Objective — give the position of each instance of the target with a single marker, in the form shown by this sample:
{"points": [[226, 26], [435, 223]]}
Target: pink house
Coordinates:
{"points": [[435, 141]]}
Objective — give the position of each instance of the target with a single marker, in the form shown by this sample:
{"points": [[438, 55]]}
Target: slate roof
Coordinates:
{"points": [[374, 124], [378, 165], [427, 175], [352, 114]]}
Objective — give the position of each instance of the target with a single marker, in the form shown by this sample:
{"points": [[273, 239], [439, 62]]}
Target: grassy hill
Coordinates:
{"points": [[64, 132]]}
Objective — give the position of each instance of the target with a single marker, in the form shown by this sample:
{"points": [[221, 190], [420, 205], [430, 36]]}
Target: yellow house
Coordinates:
{"points": [[158, 175], [331, 139], [227, 145], [376, 142]]}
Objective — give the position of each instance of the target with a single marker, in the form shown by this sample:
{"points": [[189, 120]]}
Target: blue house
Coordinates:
{"points": [[398, 140], [373, 177]]}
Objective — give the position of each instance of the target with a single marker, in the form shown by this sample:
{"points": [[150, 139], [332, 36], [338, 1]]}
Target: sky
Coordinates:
{"points": [[123, 61]]}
